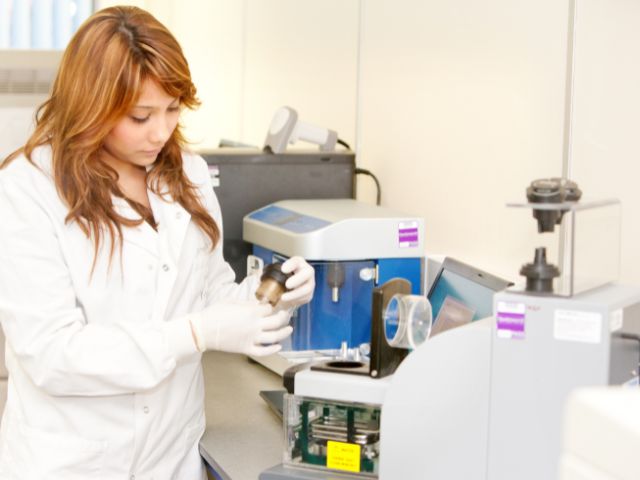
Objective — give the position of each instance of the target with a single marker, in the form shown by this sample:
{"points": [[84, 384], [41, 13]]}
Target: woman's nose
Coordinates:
{"points": [[160, 132]]}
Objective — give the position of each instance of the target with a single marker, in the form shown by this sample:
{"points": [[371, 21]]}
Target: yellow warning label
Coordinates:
{"points": [[343, 456]]}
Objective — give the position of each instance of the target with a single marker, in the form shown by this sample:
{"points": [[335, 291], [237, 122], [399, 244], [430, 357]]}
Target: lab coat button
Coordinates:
{"points": [[150, 267], [204, 294], [178, 214], [146, 409], [133, 477], [165, 267]]}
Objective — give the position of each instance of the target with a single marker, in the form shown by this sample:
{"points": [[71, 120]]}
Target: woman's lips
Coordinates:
{"points": [[152, 152]]}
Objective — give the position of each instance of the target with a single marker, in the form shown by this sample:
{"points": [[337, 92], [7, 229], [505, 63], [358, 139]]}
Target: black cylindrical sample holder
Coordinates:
{"points": [[547, 190], [540, 274], [273, 283]]}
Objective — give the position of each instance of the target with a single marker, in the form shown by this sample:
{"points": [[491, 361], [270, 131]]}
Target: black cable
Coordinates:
{"points": [[362, 171], [344, 144], [630, 336]]}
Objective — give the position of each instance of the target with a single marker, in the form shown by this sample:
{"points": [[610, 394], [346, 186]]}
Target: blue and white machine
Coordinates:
{"points": [[353, 246]]}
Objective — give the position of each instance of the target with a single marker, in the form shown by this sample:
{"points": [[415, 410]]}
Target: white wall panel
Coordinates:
{"points": [[606, 130], [303, 54], [462, 108]]}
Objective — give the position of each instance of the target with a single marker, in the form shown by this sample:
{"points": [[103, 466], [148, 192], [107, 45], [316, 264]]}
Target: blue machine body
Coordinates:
{"points": [[324, 324]]}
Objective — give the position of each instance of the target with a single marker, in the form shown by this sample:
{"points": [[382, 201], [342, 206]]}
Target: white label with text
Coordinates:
{"points": [[577, 326]]}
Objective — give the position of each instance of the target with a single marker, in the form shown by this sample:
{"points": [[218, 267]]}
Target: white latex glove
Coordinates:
{"points": [[301, 284], [240, 326]]}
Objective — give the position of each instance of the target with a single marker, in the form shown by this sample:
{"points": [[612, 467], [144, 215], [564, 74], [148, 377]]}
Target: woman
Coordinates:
{"points": [[112, 279]]}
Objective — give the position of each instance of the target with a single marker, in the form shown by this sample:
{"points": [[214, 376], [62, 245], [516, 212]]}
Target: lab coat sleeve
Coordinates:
{"points": [[45, 328], [221, 277]]}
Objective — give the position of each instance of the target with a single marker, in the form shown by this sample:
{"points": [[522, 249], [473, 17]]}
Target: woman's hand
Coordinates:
{"points": [[301, 284], [240, 326]]}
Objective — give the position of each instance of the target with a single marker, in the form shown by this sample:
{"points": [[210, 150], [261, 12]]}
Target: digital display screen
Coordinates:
{"points": [[459, 292]]}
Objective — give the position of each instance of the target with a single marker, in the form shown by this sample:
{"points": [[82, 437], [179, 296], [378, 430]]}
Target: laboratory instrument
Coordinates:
{"points": [[494, 388], [332, 412], [551, 191], [286, 129], [500, 384], [540, 274], [586, 246], [246, 180], [353, 247], [343, 401]]}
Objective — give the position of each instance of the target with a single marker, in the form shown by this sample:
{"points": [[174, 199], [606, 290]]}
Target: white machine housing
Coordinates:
{"points": [[341, 229], [476, 404], [341, 387]]}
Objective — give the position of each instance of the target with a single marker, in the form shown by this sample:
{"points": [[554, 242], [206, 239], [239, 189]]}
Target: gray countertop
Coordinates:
{"points": [[243, 436]]}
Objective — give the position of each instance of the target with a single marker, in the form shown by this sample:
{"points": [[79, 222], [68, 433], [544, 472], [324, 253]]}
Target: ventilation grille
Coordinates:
{"points": [[25, 82]]}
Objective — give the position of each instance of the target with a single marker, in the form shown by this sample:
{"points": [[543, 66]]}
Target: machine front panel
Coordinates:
{"points": [[340, 310], [533, 374], [325, 323], [407, 268]]}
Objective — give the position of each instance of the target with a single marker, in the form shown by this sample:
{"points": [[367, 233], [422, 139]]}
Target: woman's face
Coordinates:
{"points": [[141, 134]]}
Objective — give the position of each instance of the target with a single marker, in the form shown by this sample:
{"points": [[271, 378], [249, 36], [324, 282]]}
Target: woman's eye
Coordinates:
{"points": [[174, 109], [139, 120]]}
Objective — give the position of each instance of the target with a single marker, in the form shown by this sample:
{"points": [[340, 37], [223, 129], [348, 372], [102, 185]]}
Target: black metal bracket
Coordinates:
{"points": [[384, 358]]}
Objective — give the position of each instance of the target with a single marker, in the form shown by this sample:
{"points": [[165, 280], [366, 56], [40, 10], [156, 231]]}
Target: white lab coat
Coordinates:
{"points": [[95, 389]]}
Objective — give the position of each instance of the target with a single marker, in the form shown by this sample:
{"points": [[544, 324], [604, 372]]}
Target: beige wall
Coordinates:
{"points": [[462, 108], [250, 57], [303, 54], [462, 101]]}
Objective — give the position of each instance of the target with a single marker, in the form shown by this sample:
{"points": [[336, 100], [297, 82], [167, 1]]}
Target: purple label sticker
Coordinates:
{"points": [[510, 320], [408, 234]]}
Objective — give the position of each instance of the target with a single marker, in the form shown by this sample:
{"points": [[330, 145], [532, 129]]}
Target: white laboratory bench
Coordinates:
{"points": [[243, 436]]}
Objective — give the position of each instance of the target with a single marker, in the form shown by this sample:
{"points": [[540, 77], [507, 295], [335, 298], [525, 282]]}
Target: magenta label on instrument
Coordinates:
{"points": [[510, 320], [408, 234]]}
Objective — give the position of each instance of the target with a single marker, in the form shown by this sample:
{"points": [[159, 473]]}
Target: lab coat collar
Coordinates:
{"points": [[173, 221], [143, 235]]}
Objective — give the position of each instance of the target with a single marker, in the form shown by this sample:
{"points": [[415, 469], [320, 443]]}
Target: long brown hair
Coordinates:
{"points": [[101, 77]]}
